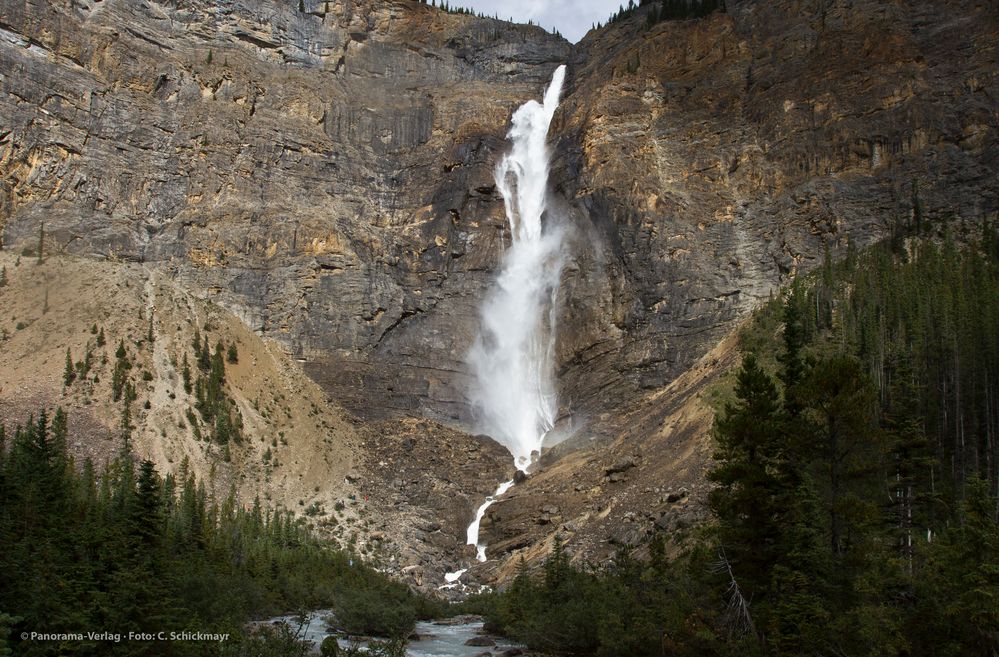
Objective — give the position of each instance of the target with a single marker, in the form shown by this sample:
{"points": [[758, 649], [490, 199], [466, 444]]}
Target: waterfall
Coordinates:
{"points": [[472, 535], [513, 356]]}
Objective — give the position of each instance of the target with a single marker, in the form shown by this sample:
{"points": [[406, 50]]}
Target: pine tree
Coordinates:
{"points": [[791, 359], [186, 375], [204, 357], [69, 371], [800, 611], [847, 443], [958, 613], [912, 463], [126, 418], [144, 512], [60, 435], [753, 478]]}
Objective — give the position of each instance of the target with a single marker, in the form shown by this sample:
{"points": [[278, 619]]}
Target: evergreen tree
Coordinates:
{"points": [[791, 358], [186, 375], [69, 372], [842, 409], [753, 478], [958, 596]]}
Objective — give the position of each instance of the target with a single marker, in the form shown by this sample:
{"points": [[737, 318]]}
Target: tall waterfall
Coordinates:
{"points": [[513, 357]]}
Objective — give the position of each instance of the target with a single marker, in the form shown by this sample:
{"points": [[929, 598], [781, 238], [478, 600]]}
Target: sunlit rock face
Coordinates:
{"points": [[705, 161]]}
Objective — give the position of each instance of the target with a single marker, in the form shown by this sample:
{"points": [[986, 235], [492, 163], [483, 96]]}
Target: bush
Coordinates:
{"points": [[387, 611]]}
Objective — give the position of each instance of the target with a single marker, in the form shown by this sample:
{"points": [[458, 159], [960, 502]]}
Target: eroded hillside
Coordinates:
{"points": [[398, 492]]}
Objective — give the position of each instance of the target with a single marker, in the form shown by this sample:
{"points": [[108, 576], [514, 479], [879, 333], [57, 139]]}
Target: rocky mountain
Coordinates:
{"points": [[705, 162], [322, 171]]}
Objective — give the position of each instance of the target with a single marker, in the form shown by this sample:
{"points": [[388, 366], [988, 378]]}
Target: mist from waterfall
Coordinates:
{"points": [[513, 356]]}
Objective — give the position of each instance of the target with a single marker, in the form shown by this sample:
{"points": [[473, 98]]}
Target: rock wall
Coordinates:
{"points": [[323, 170], [701, 164], [706, 161]]}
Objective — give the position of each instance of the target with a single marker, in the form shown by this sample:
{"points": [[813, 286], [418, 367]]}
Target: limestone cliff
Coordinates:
{"points": [[707, 160]]}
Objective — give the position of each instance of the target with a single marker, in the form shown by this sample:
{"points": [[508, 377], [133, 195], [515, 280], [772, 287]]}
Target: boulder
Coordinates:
{"points": [[624, 464], [677, 496], [629, 537]]}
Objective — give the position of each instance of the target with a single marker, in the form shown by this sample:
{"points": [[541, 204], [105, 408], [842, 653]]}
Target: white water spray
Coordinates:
{"points": [[513, 357]]}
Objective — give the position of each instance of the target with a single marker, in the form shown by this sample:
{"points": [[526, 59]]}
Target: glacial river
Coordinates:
{"points": [[436, 639]]}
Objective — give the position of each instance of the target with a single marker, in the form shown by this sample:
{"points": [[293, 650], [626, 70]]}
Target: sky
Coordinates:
{"points": [[572, 18]]}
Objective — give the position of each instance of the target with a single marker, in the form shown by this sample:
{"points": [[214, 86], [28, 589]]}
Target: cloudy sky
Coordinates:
{"points": [[572, 17]]}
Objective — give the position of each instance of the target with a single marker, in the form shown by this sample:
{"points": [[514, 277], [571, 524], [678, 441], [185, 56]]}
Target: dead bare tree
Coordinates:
{"points": [[736, 619]]}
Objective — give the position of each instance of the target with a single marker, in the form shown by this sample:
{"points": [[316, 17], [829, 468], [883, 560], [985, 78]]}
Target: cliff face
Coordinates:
{"points": [[323, 170], [709, 160], [324, 173]]}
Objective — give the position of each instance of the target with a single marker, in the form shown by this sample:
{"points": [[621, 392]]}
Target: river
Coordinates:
{"points": [[437, 639]]}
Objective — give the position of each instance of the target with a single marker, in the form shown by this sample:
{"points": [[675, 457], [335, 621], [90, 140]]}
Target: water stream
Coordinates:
{"points": [[436, 639], [473, 529]]}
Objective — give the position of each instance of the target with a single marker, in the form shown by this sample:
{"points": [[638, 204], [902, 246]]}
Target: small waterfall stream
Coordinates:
{"points": [[473, 529], [513, 356]]}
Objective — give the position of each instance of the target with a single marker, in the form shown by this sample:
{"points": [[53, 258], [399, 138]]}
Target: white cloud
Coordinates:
{"points": [[571, 18]]}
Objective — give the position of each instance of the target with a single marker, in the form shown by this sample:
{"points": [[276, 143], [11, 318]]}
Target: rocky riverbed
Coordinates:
{"points": [[462, 636]]}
